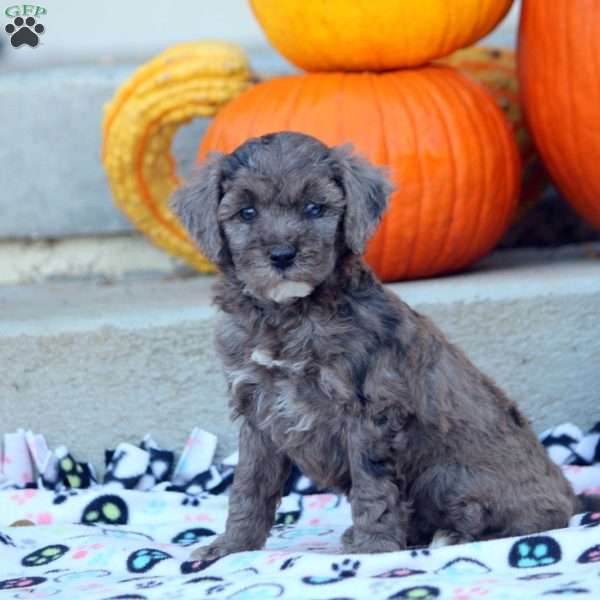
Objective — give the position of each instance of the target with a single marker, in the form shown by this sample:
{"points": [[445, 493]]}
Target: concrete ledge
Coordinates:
{"points": [[93, 364], [104, 258]]}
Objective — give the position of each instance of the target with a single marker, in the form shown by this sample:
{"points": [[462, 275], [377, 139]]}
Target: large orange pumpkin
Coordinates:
{"points": [[559, 72], [374, 35], [449, 149], [496, 69]]}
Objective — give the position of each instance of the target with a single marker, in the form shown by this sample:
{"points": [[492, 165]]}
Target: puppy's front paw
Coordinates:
{"points": [[372, 544], [443, 537], [348, 536], [210, 552], [220, 547]]}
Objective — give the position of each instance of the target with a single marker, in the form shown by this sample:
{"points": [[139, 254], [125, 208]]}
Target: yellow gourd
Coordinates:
{"points": [[185, 82]]}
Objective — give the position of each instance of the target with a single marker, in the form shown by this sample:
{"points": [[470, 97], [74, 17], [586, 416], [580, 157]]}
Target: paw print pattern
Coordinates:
{"points": [[44, 555], [534, 551], [108, 509], [347, 568], [287, 518], [400, 572], [419, 552], [144, 559], [24, 31], [74, 475], [590, 555], [591, 519], [20, 582], [420, 592], [61, 497], [191, 536], [6, 539], [190, 500], [194, 566]]}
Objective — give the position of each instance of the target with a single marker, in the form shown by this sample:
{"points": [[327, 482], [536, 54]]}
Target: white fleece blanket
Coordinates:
{"points": [[106, 542]]}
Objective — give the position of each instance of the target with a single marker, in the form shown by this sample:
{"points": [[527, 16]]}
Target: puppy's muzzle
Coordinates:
{"points": [[282, 257]]}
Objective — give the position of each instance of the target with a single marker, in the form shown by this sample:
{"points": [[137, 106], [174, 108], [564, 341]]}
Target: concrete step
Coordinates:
{"points": [[92, 363], [106, 258]]}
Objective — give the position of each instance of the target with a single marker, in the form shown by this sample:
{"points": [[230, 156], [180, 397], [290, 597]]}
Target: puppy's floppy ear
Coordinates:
{"points": [[196, 203], [366, 189]]}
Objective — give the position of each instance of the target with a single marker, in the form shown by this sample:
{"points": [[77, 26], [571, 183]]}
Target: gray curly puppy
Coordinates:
{"points": [[330, 370]]}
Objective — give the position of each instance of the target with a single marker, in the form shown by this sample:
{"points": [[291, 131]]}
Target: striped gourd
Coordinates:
{"points": [[185, 82]]}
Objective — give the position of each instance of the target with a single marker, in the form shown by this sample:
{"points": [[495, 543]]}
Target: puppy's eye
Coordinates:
{"points": [[313, 210], [248, 214]]}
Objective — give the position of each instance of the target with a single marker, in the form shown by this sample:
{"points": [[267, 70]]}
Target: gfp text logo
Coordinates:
{"points": [[24, 30]]}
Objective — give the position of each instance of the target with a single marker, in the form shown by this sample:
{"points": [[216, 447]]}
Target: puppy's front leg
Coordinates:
{"points": [[256, 490], [379, 509]]}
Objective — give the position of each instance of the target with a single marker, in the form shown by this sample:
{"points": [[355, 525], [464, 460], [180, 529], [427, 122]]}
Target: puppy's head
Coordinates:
{"points": [[280, 209]]}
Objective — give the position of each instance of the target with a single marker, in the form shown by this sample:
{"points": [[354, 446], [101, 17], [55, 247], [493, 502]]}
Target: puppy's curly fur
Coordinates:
{"points": [[330, 370]]}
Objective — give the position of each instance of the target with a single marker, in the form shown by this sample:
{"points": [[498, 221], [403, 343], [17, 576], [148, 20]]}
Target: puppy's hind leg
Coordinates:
{"points": [[467, 524], [380, 511], [348, 537]]}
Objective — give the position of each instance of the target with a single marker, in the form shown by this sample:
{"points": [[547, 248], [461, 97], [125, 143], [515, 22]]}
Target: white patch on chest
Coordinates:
{"points": [[265, 359], [286, 290], [282, 399]]}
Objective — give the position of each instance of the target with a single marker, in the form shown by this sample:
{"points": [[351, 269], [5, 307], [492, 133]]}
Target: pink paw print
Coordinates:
{"points": [[23, 496], [275, 555], [84, 551], [591, 555], [198, 518], [470, 593], [320, 500], [43, 518]]}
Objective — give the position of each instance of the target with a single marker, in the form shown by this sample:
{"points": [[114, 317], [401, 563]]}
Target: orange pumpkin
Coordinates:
{"points": [[448, 147], [496, 69], [559, 74], [374, 35]]}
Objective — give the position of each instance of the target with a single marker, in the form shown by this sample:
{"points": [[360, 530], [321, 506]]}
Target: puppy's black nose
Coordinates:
{"points": [[283, 256]]}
